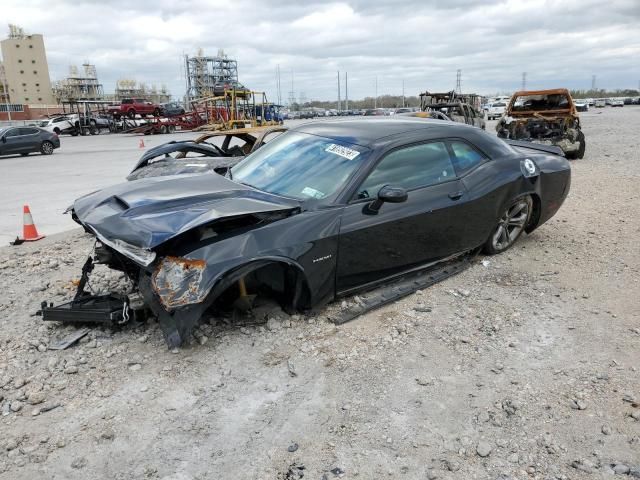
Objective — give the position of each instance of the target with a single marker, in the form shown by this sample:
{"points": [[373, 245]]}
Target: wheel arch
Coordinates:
{"points": [[536, 211], [298, 293]]}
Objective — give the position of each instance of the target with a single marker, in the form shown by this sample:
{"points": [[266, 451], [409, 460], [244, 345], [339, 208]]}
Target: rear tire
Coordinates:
{"points": [[510, 226], [131, 113], [156, 112], [46, 148]]}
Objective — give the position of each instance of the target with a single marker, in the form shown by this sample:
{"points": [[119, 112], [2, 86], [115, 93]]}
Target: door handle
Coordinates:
{"points": [[456, 195]]}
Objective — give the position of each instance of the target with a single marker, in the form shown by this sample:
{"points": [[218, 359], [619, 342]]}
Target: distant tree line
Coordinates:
{"points": [[384, 101], [601, 93]]}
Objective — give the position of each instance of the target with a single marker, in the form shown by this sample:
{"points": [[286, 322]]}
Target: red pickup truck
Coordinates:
{"points": [[135, 106]]}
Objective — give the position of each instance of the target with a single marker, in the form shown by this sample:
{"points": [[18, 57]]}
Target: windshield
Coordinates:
{"points": [[300, 165], [556, 101]]}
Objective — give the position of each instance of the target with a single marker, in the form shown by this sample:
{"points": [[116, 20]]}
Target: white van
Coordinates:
{"points": [[496, 110]]}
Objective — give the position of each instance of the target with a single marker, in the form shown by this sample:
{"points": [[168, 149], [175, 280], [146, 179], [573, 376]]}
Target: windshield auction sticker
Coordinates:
{"points": [[345, 152]]}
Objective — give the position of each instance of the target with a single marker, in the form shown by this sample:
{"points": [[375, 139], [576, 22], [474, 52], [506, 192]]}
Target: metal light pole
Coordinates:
{"points": [[339, 102], [346, 92], [375, 102], [403, 93]]}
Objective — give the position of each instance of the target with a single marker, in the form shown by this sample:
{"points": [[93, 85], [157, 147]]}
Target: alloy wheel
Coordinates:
{"points": [[511, 224]]}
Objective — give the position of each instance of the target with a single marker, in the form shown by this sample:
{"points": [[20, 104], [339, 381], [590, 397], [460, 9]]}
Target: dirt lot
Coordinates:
{"points": [[523, 366]]}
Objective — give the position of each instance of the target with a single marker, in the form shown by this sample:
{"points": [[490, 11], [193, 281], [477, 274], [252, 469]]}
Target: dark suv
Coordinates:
{"points": [[26, 140]]}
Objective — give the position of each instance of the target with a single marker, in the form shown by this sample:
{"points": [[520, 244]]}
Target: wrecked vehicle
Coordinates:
{"points": [[548, 117], [453, 106], [200, 156], [323, 211]]}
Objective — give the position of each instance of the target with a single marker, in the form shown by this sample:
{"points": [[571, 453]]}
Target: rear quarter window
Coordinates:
{"points": [[465, 157]]}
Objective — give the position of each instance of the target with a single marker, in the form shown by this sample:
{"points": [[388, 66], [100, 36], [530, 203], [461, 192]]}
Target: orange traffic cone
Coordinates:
{"points": [[141, 143], [29, 231]]}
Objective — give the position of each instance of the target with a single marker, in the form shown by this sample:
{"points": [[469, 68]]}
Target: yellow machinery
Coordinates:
{"points": [[238, 109]]}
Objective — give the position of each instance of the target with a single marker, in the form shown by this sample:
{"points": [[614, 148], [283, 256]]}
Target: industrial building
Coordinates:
{"points": [[26, 72]]}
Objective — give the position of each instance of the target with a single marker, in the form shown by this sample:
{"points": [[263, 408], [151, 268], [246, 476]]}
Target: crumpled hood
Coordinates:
{"points": [[150, 211]]}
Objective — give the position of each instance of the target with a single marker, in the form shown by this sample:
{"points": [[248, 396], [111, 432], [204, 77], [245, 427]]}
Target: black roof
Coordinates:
{"points": [[365, 132]]}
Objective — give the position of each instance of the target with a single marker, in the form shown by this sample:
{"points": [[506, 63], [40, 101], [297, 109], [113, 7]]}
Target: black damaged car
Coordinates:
{"points": [[324, 210]]}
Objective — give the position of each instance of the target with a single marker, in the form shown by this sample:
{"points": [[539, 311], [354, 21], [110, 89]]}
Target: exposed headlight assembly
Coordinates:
{"points": [[137, 254], [178, 282]]}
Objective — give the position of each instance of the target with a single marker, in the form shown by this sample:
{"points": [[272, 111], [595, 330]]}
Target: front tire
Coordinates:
{"points": [[578, 154], [510, 226], [131, 113], [46, 148]]}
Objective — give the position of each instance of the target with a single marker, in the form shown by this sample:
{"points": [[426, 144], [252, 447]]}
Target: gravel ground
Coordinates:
{"points": [[523, 366]]}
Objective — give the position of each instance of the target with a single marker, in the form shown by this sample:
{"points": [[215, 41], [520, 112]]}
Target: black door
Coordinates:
{"points": [[12, 142], [401, 236], [29, 139]]}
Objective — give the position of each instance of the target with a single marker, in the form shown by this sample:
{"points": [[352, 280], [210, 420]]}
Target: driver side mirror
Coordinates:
{"points": [[4, 139], [388, 194]]}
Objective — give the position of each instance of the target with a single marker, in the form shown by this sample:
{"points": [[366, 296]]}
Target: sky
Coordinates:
{"points": [[418, 43]]}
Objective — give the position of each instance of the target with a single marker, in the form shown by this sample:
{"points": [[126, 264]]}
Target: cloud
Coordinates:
{"points": [[419, 42]]}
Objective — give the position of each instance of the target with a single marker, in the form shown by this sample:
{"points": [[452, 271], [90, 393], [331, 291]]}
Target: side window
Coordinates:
{"points": [[13, 133], [27, 131], [409, 168], [465, 157]]}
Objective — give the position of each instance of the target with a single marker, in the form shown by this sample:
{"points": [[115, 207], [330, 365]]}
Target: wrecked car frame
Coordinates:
{"points": [[547, 117], [202, 156], [314, 214]]}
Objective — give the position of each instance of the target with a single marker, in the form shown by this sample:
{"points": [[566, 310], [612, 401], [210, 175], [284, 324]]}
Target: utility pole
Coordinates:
{"points": [[278, 84], [346, 92], [524, 80], [375, 102], [339, 102], [459, 81], [403, 92], [292, 93]]}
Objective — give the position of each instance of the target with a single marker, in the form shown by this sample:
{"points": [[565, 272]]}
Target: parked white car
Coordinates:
{"points": [[58, 125], [496, 110]]}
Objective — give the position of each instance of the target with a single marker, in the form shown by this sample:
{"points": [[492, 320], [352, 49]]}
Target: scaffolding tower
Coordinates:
{"points": [[204, 72], [78, 86]]}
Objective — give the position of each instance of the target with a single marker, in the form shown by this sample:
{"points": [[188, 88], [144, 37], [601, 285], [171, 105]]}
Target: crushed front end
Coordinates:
{"points": [[170, 290]]}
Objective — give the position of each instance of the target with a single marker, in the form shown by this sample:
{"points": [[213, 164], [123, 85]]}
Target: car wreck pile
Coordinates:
{"points": [[545, 116]]}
